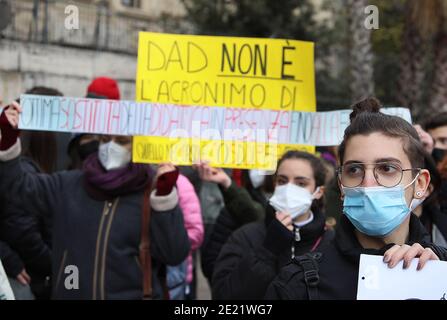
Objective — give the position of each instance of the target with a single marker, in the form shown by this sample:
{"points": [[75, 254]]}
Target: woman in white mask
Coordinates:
{"points": [[294, 225], [381, 178], [97, 218]]}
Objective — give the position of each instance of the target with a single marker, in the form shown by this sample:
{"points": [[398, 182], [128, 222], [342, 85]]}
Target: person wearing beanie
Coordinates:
{"points": [[96, 216], [81, 145], [103, 88]]}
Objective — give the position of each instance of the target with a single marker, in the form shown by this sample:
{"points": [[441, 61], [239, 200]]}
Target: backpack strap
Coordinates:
{"points": [[309, 264], [145, 245]]}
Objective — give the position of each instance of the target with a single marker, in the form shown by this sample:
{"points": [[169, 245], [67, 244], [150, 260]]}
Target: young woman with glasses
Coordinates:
{"points": [[381, 176]]}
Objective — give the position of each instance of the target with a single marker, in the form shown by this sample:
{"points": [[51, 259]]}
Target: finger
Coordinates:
{"points": [[389, 253], [21, 279], [26, 276], [426, 255], [287, 220], [398, 255], [280, 215], [201, 172], [415, 251], [284, 216], [16, 106]]}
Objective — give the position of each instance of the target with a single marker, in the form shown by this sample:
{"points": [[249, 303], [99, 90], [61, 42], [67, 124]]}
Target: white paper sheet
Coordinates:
{"points": [[378, 282]]}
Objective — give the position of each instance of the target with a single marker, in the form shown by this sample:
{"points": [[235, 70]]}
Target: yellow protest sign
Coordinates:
{"points": [[226, 71], [219, 153], [222, 83]]}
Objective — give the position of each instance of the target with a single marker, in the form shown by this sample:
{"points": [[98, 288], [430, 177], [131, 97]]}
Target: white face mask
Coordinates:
{"points": [[257, 177], [292, 199], [113, 156]]}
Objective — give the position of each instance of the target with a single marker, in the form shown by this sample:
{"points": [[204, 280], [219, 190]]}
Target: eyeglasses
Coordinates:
{"points": [[387, 174]]}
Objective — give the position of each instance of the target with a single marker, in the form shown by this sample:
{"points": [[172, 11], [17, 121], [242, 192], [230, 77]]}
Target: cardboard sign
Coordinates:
{"points": [[226, 71]]}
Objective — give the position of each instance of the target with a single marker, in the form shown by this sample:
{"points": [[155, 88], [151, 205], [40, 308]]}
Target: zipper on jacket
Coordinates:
{"points": [[297, 238], [101, 248]]}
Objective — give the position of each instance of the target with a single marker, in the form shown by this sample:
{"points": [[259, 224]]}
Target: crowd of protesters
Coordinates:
{"points": [[138, 231]]}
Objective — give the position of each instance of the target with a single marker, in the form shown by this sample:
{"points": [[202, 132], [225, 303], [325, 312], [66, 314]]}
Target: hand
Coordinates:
{"points": [[216, 175], [285, 219], [426, 139], [23, 278], [12, 113], [397, 253], [163, 168]]}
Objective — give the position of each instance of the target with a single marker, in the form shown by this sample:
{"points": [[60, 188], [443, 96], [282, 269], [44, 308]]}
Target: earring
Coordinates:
{"points": [[418, 193]]}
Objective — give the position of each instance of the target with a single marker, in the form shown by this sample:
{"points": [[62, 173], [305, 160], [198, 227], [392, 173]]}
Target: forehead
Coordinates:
{"points": [[438, 132], [295, 167], [374, 147]]}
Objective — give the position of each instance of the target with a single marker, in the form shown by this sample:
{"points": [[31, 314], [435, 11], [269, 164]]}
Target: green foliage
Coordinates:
{"points": [[261, 18]]}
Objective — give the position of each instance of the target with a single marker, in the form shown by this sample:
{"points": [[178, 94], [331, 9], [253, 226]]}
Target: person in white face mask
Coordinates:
{"points": [[117, 221], [294, 224]]}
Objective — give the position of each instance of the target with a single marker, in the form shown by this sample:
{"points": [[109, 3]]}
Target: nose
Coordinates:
{"points": [[369, 180]]}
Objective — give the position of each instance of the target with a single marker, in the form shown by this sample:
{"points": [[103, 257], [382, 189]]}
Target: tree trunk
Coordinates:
{"points": [[438, 96], [361, 55], [412, 70]]}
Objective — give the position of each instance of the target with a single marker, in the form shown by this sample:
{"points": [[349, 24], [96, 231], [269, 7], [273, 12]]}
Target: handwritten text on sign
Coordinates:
{"points": [[66, 114], [226, 71]]}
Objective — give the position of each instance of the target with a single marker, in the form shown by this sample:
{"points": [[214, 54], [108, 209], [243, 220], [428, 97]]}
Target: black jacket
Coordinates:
{"points": [[11, 261], [240, 208], [339, 264], [255, 253], [99, 238], [29, 234], [433, 215]]}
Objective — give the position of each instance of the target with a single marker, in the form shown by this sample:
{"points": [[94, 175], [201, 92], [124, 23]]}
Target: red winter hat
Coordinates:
{"points": [[103, 87]]}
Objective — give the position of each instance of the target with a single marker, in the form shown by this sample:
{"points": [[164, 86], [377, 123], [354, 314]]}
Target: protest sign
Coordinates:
{"points": [[226, 71], [377, 281], [251, 136]]}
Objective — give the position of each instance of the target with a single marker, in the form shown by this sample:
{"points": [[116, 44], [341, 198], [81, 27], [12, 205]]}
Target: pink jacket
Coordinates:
{"points": [[192, 216]]}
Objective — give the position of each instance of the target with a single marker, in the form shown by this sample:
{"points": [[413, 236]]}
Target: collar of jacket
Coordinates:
{"points": [[433, 215], [310, 232], [348, 245]]}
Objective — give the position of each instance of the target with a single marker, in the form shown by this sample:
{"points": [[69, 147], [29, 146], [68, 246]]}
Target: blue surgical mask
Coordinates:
{"points": [[376, 211]]}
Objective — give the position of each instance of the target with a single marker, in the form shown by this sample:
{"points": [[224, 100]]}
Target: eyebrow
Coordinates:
{"points": [[294, 178], [390, 159]]}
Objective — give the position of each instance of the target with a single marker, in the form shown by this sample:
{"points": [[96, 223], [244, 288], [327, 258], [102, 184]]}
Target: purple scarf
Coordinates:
{"points": [[103, 185]]}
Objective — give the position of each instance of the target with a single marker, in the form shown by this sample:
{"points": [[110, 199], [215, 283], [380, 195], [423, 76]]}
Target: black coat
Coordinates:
{"points": [[255, 253], [99, 238], [29, 234], [242, 206], [11, 261], [339, 265], [433, 215]]}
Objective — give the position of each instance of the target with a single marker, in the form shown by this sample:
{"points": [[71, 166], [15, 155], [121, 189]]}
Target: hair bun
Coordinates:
{"points": [[371, 105]]}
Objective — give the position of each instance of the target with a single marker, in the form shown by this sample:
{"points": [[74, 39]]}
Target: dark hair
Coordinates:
{"points": [[436, 121], [366, 118], [435, 181], [318, 168], [41, 146], [44, 91]]}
